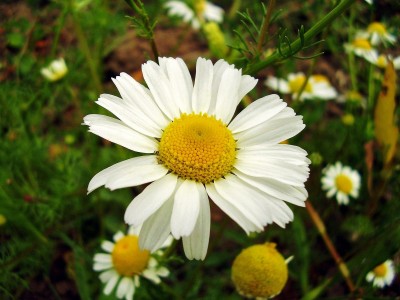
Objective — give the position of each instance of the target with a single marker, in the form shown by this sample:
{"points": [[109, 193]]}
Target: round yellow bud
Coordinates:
{"points": [[259, 271]]}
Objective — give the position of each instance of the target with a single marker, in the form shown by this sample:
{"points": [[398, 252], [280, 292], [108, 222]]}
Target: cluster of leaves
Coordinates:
{"points": [[53, 228]]}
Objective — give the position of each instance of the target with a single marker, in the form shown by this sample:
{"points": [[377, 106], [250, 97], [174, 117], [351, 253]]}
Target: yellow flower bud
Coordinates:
{"points": [[259, 271], [216, 39]]}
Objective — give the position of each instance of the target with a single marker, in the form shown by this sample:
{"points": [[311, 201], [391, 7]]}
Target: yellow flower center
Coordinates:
{"points": [[320, 78], [362, 44], [296, 83], [197, 147], [343, 183], [199, 6], [381, 61], [259, 271], [377, 27], [380, 271], [127, 258]]}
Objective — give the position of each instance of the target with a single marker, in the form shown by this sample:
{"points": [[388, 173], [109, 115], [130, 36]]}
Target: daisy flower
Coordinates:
{"points": [[377, 33], [55, 71], [360, 47], [194, 150], [382, 275], [382, 60], [125, 263], [342, 181], [203, 10], [318, 86]]}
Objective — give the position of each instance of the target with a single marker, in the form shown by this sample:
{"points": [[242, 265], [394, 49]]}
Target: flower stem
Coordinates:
{"points": [[319, 224], [265, 25], [309, 34]]}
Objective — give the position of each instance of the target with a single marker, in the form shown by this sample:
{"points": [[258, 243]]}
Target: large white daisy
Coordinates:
{"points": [[382, 275], [195, 150], [341, 181], [125, 263]]}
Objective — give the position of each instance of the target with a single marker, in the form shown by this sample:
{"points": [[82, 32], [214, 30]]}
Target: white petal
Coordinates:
{"points": [[131, 117], [151, 199], [102, 258], [270, 132], [156, 229], [123, 287], [111, 284], [218, 70], [117, 132], [228, 95], [250, 207], [102, 266], [277, 84], [130, 290], [246, 85], [275, 188], [107, 246], [118, 235], [257, 112], [159, 86], [107, 275], [140, 97], [234, 212], [196, 244], [151, 275], [186, 209], [213, 12], [201, 97], [278, 170], [130, 172], [181, 83]]}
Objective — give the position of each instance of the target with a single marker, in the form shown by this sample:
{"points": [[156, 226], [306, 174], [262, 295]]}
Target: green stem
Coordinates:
{"points": [[234, 8], [265, 25], [352, 66], [309, 34]]}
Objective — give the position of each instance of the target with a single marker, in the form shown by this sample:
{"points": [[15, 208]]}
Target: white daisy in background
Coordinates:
{"points": [[194, 150], [55, 71], [382, 275], [360, 47], [317, 86], [381, 61], [377, 34], [341, 181], [203, 10], [125, 263]]}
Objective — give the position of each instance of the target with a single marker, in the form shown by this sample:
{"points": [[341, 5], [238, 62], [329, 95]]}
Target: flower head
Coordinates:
{"points": [[382, 275], [126, 262], [377, 34], [317, 86], [259, 271], [195, 151], [342, 181], [56, 70], [382, 60], [202, 11], [360, 46]]}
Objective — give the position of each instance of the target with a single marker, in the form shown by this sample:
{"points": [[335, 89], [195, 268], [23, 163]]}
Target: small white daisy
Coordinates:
{"points": [[342, 181], [360, 47], [203, 10], [318, 86], [381, 61], [195, 151], [125, 263], [377, 34], [56, 70], [382, 275]]}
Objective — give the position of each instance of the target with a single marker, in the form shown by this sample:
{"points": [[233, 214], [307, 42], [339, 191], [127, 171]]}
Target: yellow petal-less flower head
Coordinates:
{"points": [[348, 119], [259, 271], [3, 220]]}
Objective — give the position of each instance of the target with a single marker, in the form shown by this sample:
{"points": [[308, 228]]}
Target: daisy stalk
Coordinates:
{"points": [[319, 224], [265, 25], [308, 35]]}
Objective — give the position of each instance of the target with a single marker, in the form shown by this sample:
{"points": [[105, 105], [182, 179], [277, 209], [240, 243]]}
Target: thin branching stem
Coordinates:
{"points": [[265, 25], [319, 224], [309, 34]]}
